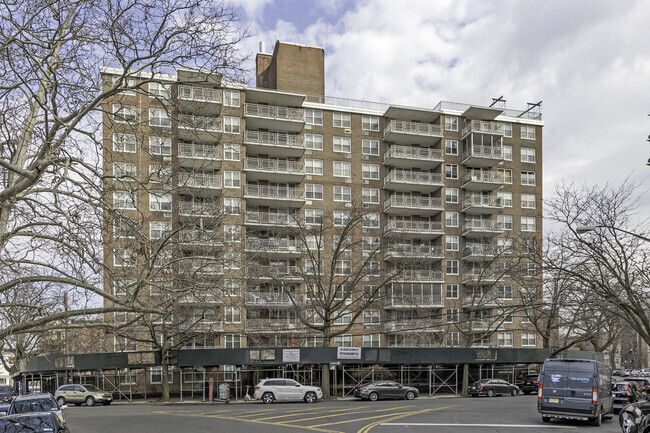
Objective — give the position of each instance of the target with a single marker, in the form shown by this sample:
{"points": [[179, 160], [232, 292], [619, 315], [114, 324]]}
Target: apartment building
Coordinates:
{"points": [[453, 193]]}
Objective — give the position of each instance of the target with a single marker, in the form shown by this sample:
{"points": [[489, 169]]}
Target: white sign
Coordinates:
{"points": [[348, 353], [291, 355]]}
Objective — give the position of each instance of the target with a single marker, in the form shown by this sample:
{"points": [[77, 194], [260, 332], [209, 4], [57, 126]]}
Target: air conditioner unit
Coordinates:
{"points": [[308, 177], [308, 152], [348, 205], [366, 181], [365, 133], [365, 206], [348, 180], [347, 131], [307, 126], [308, 202], [167, 214], [348, 155], [167, 158], [366, 157]]}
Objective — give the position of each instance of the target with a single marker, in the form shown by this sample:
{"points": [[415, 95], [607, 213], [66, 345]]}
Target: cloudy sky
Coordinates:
{"points": [[588, 61]]}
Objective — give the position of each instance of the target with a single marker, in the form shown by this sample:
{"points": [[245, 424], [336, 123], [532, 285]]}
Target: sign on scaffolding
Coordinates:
{"points": [[348, 353]]}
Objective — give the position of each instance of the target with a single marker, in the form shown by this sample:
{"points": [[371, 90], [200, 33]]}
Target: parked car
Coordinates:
{"points": [[575, 389], [627, 372], [635, 417], [270, 390], [29, 403], [79, 394], [642, 381], [626, 392], [385, 389], [528, 384], [616, 372], [492, 387], [7, 393], [33, 423]]}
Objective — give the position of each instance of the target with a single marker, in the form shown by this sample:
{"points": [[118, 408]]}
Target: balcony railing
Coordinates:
{"points": [[414, 301], [480, 300], [271, 299], [477, 325], [418, 177], [188, 208], [484, 127], [483, 176], [480, 151], [273, 271], [202, 151], [273, 139], [483, 201], [188, 121], [202, 266], [480, 250], [410, 152], [273, 165], [414, 325], [198, 237], [406, 127], [274, 112], [409, 250], [279, 192], [270, 218], [202, 94], [477, 274], [481, 226], [194, 180], [277, 245], [433, 203], [413, 226], [420, 275], [272, 325]]}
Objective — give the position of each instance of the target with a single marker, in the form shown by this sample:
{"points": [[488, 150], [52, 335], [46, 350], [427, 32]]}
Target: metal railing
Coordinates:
{"points": [[272, 325], [480, 274], [281, 245], [415, 325], [202, 266], [274, 192], [481, 225], [347, 103], [419, 177], [274, 271], [273, 165], [480, 151], [273, 138], [194, 93], [205, 123], [482, 176], [413, 300], [274, 112], [273, 298], [197, 180], [417, 226], [482, 200], [197, 236], [194, 150], [420, 275], [483, 126], [409, 250], [399, 151], [433, 203], [266, 218], [189, 208], [416, 128], [480, 250]]}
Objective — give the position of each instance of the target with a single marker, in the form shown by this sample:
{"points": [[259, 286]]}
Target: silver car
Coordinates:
{"points": [[270, 390], [80, 393]]}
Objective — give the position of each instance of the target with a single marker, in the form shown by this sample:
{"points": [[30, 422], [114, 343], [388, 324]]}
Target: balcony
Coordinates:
{"points": [[482, 127], [199, 100], [199, 128], [273, 325], [201, 299], [273, 117], [189, 209], [424, 230], [479, 325], [273, 299], [412, 157], [199, 156], [261, 195], [274, 170], [408, 251], [481, 229], [406, 180], [477, 180], [478, 276], [403, 132], [414, 325], [274, 246], [202, 183], [482, 156], [481, 204], [199, 239], [480, 300], [201, 266], [202, 325], [480, 253], [273, 143], [408, 205], [414, 301], [270, 220], [424, 275], [273, 272]]}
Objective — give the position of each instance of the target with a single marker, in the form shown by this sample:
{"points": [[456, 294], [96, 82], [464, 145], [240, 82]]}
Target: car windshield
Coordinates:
{"points": [[33, 405], [92, 388], [34, 424], [6, 388]]}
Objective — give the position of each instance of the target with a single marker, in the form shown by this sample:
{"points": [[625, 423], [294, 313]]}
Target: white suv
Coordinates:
{"points": [[270, 390]]}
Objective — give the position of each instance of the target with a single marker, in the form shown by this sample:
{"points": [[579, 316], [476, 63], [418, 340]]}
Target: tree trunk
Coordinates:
{"points": [[164, 397], [325, 380]]}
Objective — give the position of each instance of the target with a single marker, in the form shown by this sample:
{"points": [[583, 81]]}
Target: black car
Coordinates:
{"points": [[385, 389], [36, 403], [529, 384], [41, 422], [492, 387], [635, 418], [644, 382], [7, 393], [626, 393]]}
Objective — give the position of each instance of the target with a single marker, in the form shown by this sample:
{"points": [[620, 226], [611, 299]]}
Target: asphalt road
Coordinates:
{"points": [[453, 414]]}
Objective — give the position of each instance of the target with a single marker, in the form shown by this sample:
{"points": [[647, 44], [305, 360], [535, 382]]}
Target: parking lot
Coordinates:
{"points": [[445, 414]]}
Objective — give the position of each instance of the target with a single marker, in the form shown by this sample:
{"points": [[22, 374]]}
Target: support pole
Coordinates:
{"points": [[465, 384], [210, 389]]}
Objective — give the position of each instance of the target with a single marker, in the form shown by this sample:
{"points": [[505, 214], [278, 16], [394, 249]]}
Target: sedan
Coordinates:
{"points": [[32, 423], [492, 387], [635, 418], [385, 389], [625, 393], [7, 393]]}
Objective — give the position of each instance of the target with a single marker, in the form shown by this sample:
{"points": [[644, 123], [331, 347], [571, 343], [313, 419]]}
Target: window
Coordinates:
{"points": [[125, 143], [313, 191], [232, 314], [160, 90], [231, 98], [124, 169], [343, 317], [505, 245], [370, 171], [313, 166], [528, 201], [505, 339], [506, 315], [341, 120], [370, 123], [124, 287], [156, 375], [506, 173], [342, 144], [159, 117], [232, 179], [124, 113], [451, 219], [162, 259], [342, 169], [507, 152], [527, 224], [528, 246], [530, 270], [452, 291], [123, 200], [124, 257], [451, 195], [453, 339], [231, 124], [507, 130], [231, 233], [370, 292], [527, 132], [527, 154], [504, 222], [505, 198], [451, 243], [126, 82], [451, 267], [232, 341], [160, 146], [343, 341], [159, 229], [124, 228], [451, 147], [528, 178], [231, 287], [528, 339], [341, 217], [451, 171], [371, 340], [314, 141], [370, 196], [370, 244], [342, 193], [313, 216], [370, 147], [160, 203], [451, 123], [313, 242], [232, 260], [371, 268], [232, 152], [232, 205], [313, 117], [453, 315], [504, 292], [370, 220]]}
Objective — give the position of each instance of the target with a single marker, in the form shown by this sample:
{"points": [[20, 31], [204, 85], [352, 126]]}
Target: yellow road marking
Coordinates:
{"points": [[370, 417], [367, 428], [345, 412]]}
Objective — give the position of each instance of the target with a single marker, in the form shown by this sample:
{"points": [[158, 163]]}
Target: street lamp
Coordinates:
{"points": [[584, 229]]}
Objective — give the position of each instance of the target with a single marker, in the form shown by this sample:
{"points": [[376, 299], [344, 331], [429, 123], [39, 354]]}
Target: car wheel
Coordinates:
{"points": [[514, 392], [627, 424], [60, 401], [490, 392], [410, 395], [546, 419], [90, 401], [597, 420], [267, 397], [310, 397], [373, 396]]}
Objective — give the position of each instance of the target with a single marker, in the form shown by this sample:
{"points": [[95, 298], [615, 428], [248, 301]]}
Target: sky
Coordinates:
{"points": [[588, 61]]}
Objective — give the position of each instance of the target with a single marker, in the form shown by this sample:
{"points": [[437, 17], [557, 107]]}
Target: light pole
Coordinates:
{"points": [[584, 229]]}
